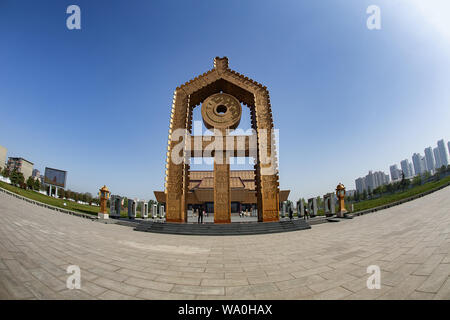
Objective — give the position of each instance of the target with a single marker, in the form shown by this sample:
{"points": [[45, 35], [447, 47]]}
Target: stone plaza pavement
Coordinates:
{"points": [[410, 243]]}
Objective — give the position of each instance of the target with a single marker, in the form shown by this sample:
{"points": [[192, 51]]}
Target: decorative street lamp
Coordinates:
{"points": [[104, 196], [340, 193]]}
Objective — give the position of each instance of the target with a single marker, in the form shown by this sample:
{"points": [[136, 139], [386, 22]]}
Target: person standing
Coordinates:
{"points": [[291, 213], [200, 216]]}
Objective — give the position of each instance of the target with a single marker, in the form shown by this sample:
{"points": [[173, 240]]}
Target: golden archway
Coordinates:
{"points": [[221, 79]]}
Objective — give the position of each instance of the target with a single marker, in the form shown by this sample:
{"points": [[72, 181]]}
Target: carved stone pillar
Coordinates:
{"points": [[222, 193]]}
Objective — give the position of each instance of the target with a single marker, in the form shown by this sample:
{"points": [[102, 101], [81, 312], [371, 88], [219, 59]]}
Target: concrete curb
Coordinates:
{"points": [[41, 204], [385, 206]]}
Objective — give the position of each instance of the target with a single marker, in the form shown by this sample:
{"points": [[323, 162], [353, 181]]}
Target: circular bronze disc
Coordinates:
{"points": [[221, 111]]}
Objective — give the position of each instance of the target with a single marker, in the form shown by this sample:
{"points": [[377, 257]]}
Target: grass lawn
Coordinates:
{"points": [[71, 205], [386, 199]]}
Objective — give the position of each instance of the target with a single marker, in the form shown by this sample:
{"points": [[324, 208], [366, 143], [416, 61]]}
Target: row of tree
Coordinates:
{"points": [[17, 179], [85, 197], [399, 186]]}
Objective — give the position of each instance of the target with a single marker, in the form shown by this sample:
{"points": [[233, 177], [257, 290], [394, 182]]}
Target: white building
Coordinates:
{"points": [[419, 163], [406, 168], [437, 158], [443, 152], [396, 173], [429, 159], [360, 184]]}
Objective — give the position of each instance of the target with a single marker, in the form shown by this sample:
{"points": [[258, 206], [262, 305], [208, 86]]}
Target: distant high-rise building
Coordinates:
{"points": [[448, 144], [437, 157], [370, 181], [443, 152], [360, 185], [419, 163], [21, 165], [396, 173], [411, 170], [429, 159], [407, 168], [36, 173], [423, 163]]}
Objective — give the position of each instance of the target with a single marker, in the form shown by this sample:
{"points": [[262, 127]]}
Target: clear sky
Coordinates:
{"points": [[96, 102]]}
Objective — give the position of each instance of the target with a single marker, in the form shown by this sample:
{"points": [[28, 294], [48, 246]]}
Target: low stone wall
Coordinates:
{"points": [[396, 203], [79, 214]]}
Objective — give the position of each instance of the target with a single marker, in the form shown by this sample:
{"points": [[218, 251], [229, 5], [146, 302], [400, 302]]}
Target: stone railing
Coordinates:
{"points": [[396, 203], [41, 204]]}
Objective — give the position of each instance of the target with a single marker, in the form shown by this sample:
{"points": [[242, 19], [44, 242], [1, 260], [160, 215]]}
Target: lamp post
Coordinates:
{"points": [[104, 196], [340, 193]]}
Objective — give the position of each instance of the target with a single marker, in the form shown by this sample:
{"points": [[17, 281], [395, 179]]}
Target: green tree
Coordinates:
{"points": [[61, 193], [390, 188], [417, 181], [5, 172], [319, 202], [364, 195], [17, 178], [30, 182], [36, 185], [88, 198]]}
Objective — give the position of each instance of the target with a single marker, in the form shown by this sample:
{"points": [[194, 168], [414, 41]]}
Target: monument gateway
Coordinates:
{"points": [[221, 91]]}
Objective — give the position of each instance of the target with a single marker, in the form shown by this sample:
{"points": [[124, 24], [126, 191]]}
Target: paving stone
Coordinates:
{"points": [[333, 294], [405, 288], [435, 281], [117, 286], [444, 291], [149, 284], [198, 290]]}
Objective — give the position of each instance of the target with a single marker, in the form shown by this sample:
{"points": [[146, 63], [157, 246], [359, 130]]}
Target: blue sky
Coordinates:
{"points": [[96, 102]]}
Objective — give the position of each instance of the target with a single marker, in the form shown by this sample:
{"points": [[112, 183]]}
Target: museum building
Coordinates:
{"points": [[201, 191]]}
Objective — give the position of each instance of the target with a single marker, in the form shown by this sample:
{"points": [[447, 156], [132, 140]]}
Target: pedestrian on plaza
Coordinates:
{"points": [[291, 213], [200, 216]]}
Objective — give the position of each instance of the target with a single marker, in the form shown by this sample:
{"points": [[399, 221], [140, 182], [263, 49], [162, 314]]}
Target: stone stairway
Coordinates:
{"points": [[232, 229]]}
